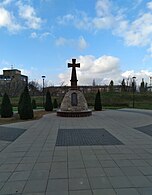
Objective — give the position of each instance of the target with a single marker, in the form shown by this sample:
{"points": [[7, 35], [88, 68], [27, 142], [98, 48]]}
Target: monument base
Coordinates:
{"points": [[74, 114], [74, 105]]}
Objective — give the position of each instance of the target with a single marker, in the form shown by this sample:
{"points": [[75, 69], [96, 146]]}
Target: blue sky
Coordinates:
{"points": [[112, 39]]}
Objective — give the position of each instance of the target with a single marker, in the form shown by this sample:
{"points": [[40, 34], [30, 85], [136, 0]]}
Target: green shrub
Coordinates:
{"points": [[34, 106], [20, 101], [55, 103], [25, 105], [6, 107], [48, 103], [98, 105]]}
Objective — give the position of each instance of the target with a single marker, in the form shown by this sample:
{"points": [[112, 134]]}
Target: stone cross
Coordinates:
{"points": [[74, 75]]}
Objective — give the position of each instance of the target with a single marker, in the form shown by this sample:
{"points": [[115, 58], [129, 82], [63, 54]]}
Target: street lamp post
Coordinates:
{"points": [[43, 77], [133, 90], [150, 83]]}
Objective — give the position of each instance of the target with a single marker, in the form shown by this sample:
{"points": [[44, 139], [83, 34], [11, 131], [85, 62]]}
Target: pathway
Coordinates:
{"points": [[34, 165]]}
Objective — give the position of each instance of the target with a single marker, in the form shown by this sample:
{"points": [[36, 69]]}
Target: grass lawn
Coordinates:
{"points": [[109, 100]]}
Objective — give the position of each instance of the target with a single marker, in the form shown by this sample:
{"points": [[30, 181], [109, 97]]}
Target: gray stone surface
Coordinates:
{"points": [[9, 133], [146, 129], [33, 164], [81, 102], [85, 137]]}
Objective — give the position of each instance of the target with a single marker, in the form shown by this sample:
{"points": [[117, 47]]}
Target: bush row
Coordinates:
{"points": [[25, 105]]}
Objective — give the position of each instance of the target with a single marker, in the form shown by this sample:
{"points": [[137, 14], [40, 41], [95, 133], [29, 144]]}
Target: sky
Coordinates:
{"points": [[111, 39]]}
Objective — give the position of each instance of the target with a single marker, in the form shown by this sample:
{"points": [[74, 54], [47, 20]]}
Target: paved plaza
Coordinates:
{"points": [[108, 153]]}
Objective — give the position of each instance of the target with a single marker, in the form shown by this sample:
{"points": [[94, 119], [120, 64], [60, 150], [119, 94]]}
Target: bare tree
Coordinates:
{"points": [[13, 86], [34, 88]]}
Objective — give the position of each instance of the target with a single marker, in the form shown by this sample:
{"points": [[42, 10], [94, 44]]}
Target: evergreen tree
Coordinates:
{"points": [[111, 86], [143, 86], [98, 105], [134, 85], [20, 101], [123, 85], [25, 105], [94, 83], [146, 85], [6, 107], [34, 104], [55, 103], [48, 103]]}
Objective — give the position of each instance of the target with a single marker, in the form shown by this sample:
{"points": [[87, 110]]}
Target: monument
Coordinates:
{"points": [[74, 103]]}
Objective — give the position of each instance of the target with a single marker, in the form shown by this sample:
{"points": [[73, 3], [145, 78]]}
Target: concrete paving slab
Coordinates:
{"points": [[100, 182], [33, 164], [13, 187], [35, 186], [77, 173], [126, 191], [104, 192], [82, 192], [57, 185], [79, 184]]}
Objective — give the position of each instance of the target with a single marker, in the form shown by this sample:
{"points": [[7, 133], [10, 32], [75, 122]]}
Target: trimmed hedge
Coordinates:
{"points": [[6, 107], [25, 106], [98, 105], [55, 103], [48, 103]]}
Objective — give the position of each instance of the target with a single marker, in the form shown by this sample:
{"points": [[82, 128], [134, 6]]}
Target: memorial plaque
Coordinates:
{"points": [[74, 99]]}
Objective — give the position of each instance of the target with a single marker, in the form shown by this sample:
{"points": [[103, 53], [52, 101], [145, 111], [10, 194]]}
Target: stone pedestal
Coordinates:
{"points": [[74, 105]]}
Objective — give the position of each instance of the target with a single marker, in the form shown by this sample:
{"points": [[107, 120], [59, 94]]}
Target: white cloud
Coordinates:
{"points": [[33, 35], [132, 73], [28, 13], [79, 19], [40, 36], [82, 21], [65, 19], [5, 2], [102, 69], [142, 74], [137, 33], [80, 43], [103, 8], [103, 23], [44, 35], [61, 41], [149, 5], [25, 72], [7, 20], [105, 64], [26, 18], [103, 19]]}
